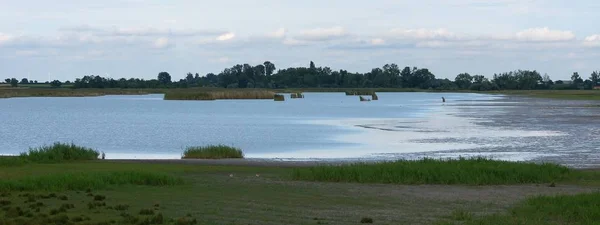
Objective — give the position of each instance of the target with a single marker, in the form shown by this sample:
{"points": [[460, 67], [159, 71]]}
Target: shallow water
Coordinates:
{"points": [[321, 126]]}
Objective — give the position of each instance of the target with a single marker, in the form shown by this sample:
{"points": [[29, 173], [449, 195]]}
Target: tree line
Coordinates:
{"points": [[389, 76]]}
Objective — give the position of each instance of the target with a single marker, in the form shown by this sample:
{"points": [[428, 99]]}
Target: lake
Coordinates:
{"points": [[321, 126]]}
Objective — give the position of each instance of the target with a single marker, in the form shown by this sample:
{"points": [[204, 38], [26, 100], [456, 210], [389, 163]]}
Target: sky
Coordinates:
{"points": [[60, 39]]}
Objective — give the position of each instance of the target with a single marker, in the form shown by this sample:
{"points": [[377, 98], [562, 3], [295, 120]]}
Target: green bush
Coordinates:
{"points": [[60, 152], [212, 152], [476, 171]]}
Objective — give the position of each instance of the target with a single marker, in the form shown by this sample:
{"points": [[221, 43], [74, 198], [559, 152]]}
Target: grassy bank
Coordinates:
{"points": [[122, 192], [183, 94], [478, 171], [59, 152], [67, 92], [213, 152]]}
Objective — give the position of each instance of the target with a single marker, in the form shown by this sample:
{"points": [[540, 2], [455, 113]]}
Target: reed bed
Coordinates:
{"points": [[213, 152], [475, 171], [87, 180], [59, 152], [297, 95], [374, 97], [279, 98], [359, 92], [216, 95], [363, 99]]}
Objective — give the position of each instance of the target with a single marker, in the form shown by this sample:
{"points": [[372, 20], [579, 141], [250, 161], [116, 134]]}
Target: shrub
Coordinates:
{"points": [[60, 152], [212, 152]]}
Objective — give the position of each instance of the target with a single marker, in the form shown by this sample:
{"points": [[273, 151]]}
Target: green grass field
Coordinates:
{"points": [[270, 195]]}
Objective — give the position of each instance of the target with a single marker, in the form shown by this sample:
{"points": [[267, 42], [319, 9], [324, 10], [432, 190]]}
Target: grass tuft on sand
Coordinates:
{"points": [[213, 152], [279, 98], [473, 171], [59, 152], [87, 180]]}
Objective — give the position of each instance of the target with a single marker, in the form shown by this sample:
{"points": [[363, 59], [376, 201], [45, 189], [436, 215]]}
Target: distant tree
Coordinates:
{"points": [[14, 82], [546, 79], [576, 78], [55, 83], [312, 66], [478, 79], [189, 78], [7, 80], [463, 80], [31, 81], [24, 81], [35, 81], [595, 78], [66, 82], [269, 68], [164, 78], [559, 82]]}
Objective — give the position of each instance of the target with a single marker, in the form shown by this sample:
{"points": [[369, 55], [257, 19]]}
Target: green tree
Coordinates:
{"points": [[164, 78], [55, 83], [463, 80], [269, 68], [24, 81], [576, 78], [14, 82], [595, 78], [7, 80]]}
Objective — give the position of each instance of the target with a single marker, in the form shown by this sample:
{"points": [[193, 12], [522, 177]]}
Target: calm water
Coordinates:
{"points": [[323, 125]]}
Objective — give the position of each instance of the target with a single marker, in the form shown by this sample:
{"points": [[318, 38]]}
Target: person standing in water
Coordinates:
{"points": [[443, 99]]}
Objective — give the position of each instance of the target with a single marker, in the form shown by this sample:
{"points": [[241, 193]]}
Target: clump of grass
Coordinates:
{"points": [[279, 98], [366, 220], [99, 198], [9, 161], [475, 171], [297, 95], [63, 198], [60, 152], [374, 97], [212, 152], [561, 209], [146, 212], [121, 207], [461, 215], [359, 92], [84, 180]]}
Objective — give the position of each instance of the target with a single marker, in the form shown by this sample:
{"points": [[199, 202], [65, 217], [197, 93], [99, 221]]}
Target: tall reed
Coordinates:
{"points": [[212, 152], [476, 171]]}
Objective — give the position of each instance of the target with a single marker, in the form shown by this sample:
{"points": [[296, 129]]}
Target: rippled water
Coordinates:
{"points": [[323, 126]]}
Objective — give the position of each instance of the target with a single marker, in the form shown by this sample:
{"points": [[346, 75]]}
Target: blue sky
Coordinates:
{"points": [[60, 39]]}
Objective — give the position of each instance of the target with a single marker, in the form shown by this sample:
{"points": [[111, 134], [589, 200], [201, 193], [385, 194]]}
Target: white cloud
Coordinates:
{"points": [[322, 34], [139, 31], [162, 42], [280, 33], [592, 41], [293, 41], [421, 34], [225, 37], [377, 41], [5, 38], [544, 34], [223, 59]]}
